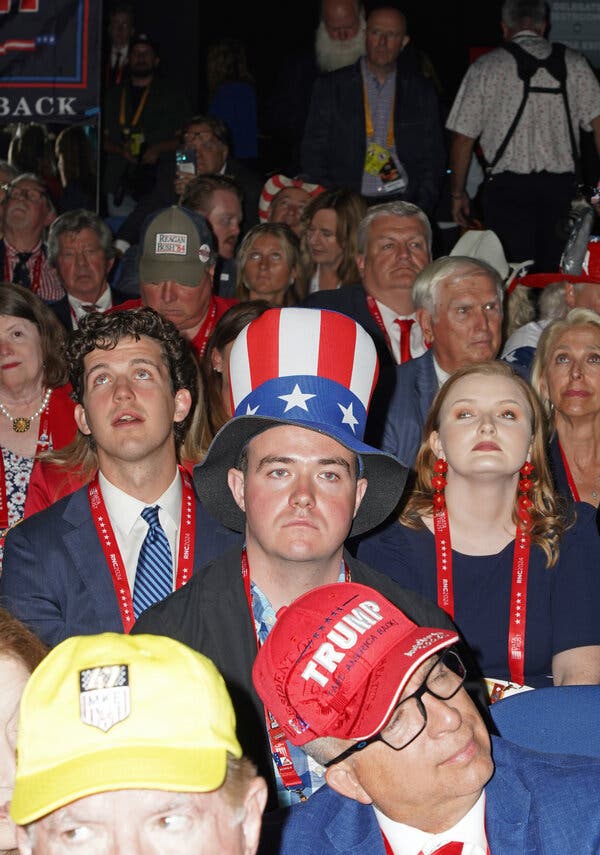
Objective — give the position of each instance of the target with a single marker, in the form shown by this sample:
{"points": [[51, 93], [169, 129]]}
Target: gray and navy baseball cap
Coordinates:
{"points": [[177, 244]]}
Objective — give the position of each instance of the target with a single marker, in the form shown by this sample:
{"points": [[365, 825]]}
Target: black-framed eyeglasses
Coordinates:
{"points": [[409, 718]]}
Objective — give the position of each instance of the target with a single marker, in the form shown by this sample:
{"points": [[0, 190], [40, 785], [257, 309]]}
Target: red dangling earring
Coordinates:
{"points": [[438, 482], [525, 485]]}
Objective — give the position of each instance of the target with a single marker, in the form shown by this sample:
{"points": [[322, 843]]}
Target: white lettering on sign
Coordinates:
{"points": [[44, 106]]}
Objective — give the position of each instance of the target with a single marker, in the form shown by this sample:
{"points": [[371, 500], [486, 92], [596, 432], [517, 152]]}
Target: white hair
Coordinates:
{"points": [[426, 285]]}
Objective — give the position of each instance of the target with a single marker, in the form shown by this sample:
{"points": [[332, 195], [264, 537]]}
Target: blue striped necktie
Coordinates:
{"points": [[154, 573]]}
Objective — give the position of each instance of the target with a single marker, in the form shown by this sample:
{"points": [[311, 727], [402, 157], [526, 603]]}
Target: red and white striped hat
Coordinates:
{"points": [[312, 368], [275, 184]]}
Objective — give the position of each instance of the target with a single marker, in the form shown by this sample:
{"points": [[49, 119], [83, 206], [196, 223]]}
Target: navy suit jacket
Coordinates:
{"points": [[62, 310], [536, 804], [334, 143], [55, 577], [416, 387]]}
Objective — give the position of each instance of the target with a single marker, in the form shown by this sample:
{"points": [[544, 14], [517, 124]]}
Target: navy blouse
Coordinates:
{"points": [[563, 602]]}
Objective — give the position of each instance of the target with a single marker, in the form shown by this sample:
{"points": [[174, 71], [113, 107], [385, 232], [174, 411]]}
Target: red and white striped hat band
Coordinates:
{"points": [[308, 366], [275, 184]]}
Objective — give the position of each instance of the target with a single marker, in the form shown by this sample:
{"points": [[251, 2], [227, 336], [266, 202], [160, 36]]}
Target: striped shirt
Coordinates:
{"points": [[381, 104], [49, 287]]}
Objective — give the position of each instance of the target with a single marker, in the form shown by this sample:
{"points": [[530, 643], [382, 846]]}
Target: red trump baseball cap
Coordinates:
{"points": [[338, 659]]}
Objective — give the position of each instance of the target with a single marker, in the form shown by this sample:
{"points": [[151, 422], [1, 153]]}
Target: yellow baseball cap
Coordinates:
{"points": [[114, 712]]}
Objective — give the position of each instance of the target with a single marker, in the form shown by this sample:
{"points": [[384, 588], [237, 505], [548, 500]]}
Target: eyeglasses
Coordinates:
{"points": [[409, 718], [30, 194]]}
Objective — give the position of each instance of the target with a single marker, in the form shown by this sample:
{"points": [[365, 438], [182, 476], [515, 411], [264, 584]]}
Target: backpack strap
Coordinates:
{"points": [[527, 66]]}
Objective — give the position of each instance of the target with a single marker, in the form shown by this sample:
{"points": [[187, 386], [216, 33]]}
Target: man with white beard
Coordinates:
{"points": [[340, 36], [339, 41]]}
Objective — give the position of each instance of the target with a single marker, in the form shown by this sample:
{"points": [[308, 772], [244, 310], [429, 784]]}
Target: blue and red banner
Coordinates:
{"points": [[50, 60]]}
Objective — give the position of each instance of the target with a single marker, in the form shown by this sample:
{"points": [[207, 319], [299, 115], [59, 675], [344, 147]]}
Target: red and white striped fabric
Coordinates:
{"points": [[279, 182], [306, 364]]}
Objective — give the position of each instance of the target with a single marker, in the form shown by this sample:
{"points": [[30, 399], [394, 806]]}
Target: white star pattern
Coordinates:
{"points": [[296, 398], [349, 417], [251, 411]]}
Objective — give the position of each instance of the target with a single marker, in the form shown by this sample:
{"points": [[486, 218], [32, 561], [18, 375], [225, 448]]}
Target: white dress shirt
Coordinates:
{"points": [[406, 840], [119, 55], [389, 316], [103, 303], [129, 527], [441, 375]]}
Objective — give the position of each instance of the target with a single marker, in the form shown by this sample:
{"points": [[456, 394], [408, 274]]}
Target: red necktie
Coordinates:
{"points": [[404, 324], [452, 848], [448, 849]]}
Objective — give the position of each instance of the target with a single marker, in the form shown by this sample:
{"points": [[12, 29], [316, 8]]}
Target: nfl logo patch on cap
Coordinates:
{"points": [[104, 696]]}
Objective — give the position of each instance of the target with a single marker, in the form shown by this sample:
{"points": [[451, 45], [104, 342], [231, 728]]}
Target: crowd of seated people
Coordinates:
{"points": [[248, 391]]}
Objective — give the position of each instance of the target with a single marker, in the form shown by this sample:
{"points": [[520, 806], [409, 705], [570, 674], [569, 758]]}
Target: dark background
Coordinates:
{"points": [[273, 30]]}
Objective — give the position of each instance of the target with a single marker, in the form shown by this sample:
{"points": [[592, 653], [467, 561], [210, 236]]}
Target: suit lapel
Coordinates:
{"points": [[62, 312], [507, 809], [353, 829], [426, 383], [85, 551]]}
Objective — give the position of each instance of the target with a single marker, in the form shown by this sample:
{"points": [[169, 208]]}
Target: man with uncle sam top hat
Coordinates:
{"points": [[292, 472], [126, 770], [410, 767]]}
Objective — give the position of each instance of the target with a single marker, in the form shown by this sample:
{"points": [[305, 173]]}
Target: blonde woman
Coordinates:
{"points": [[482, 534]]}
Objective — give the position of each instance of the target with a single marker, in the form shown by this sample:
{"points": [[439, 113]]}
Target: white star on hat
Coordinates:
{"points": [[251, 411], [349, 417], [296, 398]]}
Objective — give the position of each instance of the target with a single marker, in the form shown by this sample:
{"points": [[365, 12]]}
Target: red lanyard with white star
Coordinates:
{"points": [[204, 333], [112, 553], [280, 750], [376, 315], [518, 593], [569, 474]]}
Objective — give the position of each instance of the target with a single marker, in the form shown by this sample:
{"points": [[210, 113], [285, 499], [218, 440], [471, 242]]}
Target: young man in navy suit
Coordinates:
{"points": [[96, 559]]}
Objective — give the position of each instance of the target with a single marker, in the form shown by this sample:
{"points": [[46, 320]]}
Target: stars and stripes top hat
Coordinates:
{"points": [[312, 368]]}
